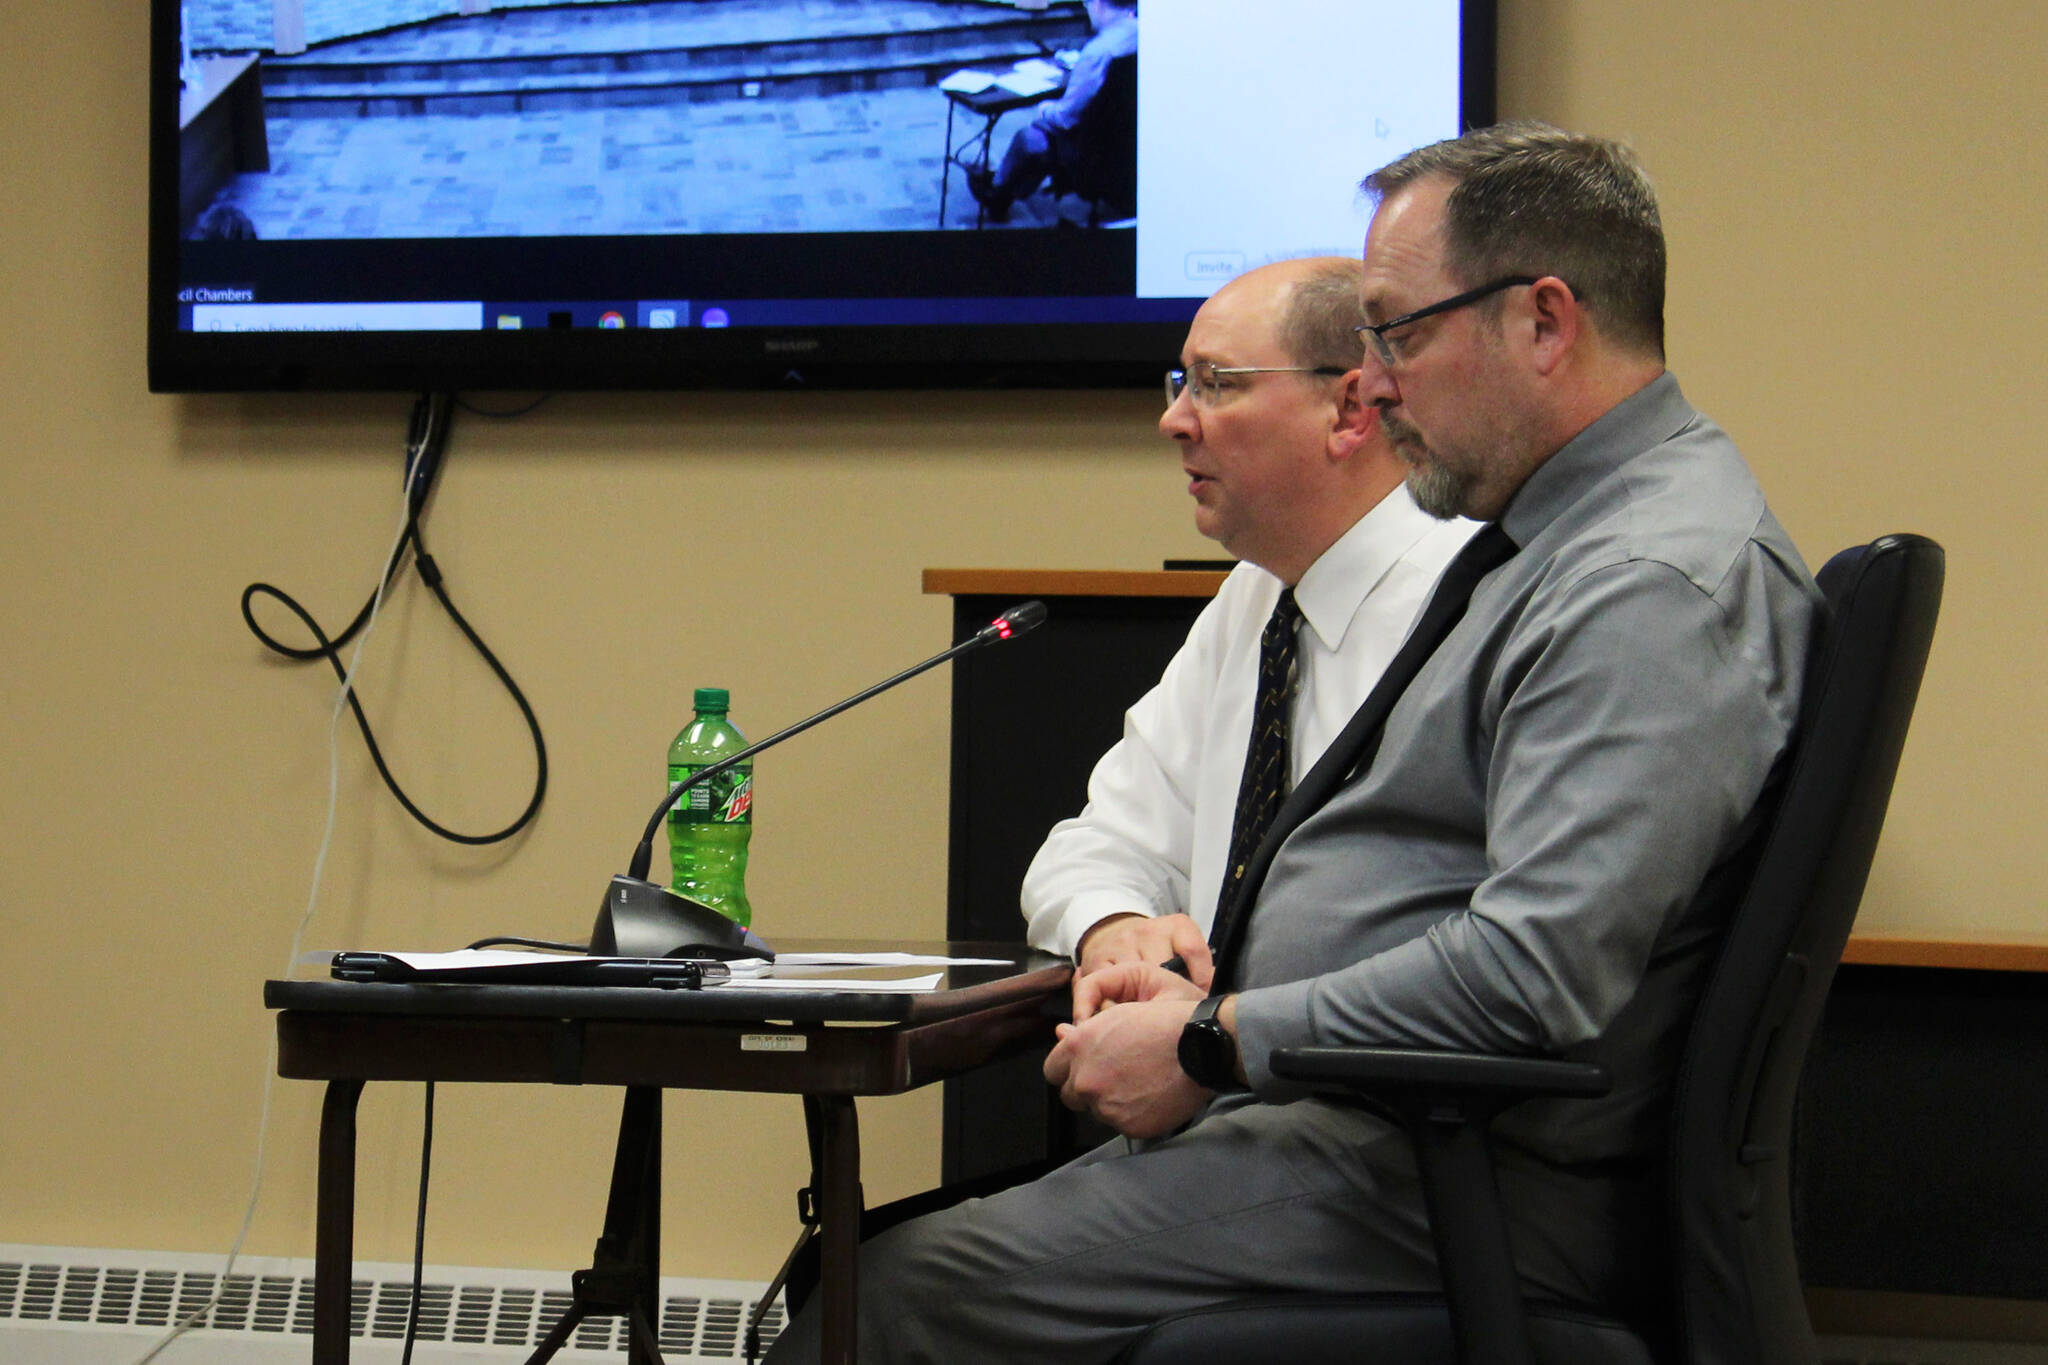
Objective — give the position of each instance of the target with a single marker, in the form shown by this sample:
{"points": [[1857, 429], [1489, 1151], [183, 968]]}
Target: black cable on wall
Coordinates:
{"points": [[426, 443]]}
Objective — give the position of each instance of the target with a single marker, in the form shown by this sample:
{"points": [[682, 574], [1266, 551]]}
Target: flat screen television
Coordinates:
{"points": [[633, 194]]}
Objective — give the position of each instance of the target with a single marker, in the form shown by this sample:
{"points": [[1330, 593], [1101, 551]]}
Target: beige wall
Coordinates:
{"points": [[1853, 201]]}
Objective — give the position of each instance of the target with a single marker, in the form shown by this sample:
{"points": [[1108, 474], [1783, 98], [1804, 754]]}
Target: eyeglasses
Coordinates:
{"points": [[1375, 334], [1205, 379]]}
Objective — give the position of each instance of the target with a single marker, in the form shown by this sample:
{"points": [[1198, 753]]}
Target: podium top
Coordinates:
{"points": [[1072, 582]]}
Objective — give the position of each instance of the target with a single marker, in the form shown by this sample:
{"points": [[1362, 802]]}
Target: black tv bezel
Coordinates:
{"points": [[991, 356]]}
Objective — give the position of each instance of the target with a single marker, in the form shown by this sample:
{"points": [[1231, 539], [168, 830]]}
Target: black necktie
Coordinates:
{"points": [[1355, 745], [1268, 756]]}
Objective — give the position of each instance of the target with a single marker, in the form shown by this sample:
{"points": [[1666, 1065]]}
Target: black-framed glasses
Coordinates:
{"points": [[1206, 379], [1374, 334]]}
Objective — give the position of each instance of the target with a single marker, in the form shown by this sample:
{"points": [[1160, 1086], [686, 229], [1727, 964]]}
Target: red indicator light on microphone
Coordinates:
{"points": [[1003, 628]]}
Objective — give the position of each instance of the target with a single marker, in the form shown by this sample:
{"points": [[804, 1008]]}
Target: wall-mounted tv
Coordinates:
{"points": [[630, 194]]}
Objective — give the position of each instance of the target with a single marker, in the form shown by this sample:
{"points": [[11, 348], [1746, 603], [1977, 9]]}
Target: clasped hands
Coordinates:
{"points": [[1120, 1058]]}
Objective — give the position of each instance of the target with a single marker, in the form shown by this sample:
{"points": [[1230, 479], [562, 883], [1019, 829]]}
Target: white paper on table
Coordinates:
{"points": [[460, 959], [805, 971], [901, 985], [816, 971], [477, 958], [967, 81], [501, 957], [1027, 83], [880, 960]]}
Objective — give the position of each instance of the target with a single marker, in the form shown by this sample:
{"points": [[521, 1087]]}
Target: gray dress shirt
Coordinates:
{"points": [[1522, 868]]}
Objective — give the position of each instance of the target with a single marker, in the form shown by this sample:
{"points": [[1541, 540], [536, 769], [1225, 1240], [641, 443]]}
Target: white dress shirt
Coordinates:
{"points": [[1155, 833]]}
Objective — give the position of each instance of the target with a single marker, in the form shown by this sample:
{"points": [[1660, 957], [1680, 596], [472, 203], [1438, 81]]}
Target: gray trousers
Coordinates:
{"points": [[1252, 1198]]}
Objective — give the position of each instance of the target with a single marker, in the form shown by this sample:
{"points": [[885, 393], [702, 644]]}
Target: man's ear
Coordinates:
{"points": [[1556, 320], [1355, 420]]}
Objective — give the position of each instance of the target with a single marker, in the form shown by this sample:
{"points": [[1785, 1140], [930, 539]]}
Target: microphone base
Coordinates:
{"points": [[642, 919]]}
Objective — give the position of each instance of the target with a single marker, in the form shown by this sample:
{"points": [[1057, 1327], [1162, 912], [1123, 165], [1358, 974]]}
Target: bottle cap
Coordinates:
{"points": [[713, 699]]}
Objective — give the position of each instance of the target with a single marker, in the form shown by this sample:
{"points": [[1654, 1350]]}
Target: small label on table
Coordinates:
{"points": [[773, 1042]]}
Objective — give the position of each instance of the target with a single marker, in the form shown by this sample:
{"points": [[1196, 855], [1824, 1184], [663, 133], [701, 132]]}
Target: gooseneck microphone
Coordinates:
{"points": [[640, 918]]}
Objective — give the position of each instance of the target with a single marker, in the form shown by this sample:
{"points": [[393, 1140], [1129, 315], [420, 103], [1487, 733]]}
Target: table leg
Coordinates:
{"points": [[946, 164], [988, 132], [624, 1277], [335, 1231], [839, 1206]]}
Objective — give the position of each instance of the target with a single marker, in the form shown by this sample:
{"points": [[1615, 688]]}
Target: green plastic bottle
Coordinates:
{"points": [[709, 828]]}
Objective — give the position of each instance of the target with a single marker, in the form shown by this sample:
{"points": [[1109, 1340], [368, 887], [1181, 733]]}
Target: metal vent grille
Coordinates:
{"points": [[515, 1309]]}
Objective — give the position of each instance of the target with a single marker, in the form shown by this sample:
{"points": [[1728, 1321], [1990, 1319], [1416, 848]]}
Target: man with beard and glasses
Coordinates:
{"points": [[1513, 849]]}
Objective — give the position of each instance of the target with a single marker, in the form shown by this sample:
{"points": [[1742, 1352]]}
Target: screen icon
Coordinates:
{"points": [[664, 313]]}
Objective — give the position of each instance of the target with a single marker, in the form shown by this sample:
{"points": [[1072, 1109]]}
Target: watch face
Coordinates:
{"points": [[1207, 1052]]}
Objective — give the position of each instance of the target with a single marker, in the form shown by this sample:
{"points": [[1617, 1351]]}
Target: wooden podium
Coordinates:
{"points": [[1029, 722]]}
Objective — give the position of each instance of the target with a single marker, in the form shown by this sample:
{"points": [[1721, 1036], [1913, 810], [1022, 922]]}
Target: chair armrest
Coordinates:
{"points": [[1445, 1101], [1486, 1082]]}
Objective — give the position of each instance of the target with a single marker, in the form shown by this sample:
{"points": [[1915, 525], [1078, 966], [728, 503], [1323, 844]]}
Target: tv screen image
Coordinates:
{"points": [[461, 194]]}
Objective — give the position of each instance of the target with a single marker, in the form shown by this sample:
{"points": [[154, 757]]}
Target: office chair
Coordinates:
{"points": [[1735, 1295], [1104, 170]]}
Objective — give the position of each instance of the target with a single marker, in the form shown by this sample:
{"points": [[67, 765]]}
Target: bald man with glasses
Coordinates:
{"points": [[1289, 471]]}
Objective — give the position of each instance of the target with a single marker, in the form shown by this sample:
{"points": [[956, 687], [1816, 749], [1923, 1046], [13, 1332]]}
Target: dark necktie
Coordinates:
{"points": [[1355, 745], [1268, 757]]}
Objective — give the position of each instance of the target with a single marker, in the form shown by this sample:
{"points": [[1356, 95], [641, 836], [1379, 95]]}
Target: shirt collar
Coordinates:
{"points": [[1648, 417], [1331, 591]]}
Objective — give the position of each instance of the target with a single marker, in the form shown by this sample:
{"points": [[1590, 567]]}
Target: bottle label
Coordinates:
{"points": [[727, 799]]}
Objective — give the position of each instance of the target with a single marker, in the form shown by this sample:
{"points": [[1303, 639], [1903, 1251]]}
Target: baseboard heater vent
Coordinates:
{"points": [[85, 1289]]}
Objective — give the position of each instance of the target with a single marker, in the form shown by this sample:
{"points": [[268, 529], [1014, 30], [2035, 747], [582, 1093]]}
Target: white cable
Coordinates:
{"points": [[341, 696]]}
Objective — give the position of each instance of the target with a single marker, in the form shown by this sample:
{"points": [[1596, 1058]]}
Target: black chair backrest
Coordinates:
{"points": [[1738, 1298], [1107, 165]]}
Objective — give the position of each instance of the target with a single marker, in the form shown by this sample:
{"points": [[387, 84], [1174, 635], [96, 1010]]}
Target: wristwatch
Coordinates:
{"points": [[1207, 1051]]}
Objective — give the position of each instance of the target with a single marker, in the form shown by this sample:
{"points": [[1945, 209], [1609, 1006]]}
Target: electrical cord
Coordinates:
{"points": [[426, 442], [364, 625], [502, 414], [419, 1229], [547, 943]]}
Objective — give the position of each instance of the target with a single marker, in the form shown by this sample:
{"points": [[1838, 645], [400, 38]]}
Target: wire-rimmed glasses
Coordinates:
{"points": [[1206, 379]]}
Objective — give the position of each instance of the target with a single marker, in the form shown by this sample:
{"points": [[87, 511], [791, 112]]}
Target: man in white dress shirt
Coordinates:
{"points": [[1290, 472]]}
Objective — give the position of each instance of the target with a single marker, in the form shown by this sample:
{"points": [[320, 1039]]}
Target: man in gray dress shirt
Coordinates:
{"points": [[1527, 864]]}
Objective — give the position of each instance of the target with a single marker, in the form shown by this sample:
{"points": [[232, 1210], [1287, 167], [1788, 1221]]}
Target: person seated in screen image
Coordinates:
{"points": [[223, 222], [1056, 137], [1523, 862]]}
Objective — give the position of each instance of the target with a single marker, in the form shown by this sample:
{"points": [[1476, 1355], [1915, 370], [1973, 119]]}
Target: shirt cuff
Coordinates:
{"points": [[1273, 1017], [1089, 909]]}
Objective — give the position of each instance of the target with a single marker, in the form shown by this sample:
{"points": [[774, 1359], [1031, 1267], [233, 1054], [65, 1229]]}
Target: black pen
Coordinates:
{"points": [[1177, 966]]}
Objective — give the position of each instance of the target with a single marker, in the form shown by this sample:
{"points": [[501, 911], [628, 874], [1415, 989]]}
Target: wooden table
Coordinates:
{"points": [[971, 153], [828, 1047]]}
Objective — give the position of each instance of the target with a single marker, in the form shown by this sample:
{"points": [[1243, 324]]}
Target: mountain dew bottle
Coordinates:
{"points": [[709, 828]]}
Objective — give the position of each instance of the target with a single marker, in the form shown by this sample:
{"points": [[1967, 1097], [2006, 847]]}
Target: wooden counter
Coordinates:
{"points": [[1970, 954]]}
